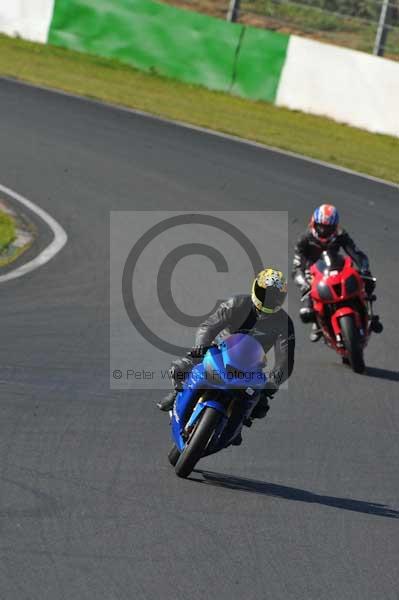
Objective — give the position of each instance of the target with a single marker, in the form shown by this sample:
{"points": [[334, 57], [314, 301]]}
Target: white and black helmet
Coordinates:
{"points": [[269, 290]]}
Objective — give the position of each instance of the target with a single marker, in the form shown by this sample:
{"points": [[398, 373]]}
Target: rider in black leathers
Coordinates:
{"points": [[259, 314], [321, 237]]}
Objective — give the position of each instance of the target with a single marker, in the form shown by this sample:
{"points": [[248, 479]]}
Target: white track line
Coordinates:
{"points": [[59, 241]]}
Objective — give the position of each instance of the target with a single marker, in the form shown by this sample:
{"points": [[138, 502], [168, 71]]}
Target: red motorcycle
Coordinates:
{"points": [[342, 309]]}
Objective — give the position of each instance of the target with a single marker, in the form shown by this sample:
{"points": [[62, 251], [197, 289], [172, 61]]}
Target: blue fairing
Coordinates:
{"points": [[211, 376], [200, 407]]}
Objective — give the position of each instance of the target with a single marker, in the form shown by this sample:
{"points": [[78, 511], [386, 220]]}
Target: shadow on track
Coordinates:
{"points": [[382, 374], [290, 493]]}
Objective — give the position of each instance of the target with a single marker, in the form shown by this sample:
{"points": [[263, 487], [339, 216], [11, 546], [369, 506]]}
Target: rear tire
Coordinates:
{"points": [[173, 455], [352, 343], [198, 442]]}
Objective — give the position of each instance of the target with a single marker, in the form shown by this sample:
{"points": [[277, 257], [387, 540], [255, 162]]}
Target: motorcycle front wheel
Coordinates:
{"points": [[197, 442], [352, 343], [173, 455]]}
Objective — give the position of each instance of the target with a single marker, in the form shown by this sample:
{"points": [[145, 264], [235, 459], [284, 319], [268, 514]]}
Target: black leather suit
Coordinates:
{"points": [[309, 249], [238, 314], [275, 330]]}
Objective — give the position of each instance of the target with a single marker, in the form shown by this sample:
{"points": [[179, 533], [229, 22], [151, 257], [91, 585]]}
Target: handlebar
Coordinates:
{"points": [[368, 277]]}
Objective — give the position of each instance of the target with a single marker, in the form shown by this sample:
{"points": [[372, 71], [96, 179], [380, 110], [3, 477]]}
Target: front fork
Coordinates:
{"points": [[335, 322], [226, 409]]}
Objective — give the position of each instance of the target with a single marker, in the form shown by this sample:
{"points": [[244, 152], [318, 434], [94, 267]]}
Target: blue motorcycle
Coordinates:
{"points": [[216, 400]]}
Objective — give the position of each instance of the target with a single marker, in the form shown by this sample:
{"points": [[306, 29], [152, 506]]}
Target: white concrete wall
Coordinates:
{"points": [[28, 19], [349, 86]]}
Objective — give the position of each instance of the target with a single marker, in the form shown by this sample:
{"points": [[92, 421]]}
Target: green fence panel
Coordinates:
{"points": [[260, 62], [151, 36]]}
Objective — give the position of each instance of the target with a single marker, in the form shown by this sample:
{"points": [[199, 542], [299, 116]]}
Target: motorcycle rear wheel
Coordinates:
{"points": [[198, 442], [352, 343]]}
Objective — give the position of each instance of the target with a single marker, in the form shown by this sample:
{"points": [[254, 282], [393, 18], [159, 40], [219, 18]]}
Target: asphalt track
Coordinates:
{"points": [[307, 508]]}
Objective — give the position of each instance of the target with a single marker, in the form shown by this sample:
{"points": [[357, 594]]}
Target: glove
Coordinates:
{"points": [[199, 352]]}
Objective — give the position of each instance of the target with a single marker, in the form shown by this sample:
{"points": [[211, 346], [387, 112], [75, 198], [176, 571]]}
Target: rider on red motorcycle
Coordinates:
{"points": [[324, 235]]}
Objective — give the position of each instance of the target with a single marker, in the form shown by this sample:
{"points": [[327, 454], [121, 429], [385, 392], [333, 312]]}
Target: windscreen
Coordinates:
{"points": [[330, 262]]}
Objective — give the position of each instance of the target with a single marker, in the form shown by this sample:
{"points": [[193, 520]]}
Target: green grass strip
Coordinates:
{"points": [[7, 230], [110, 81]]}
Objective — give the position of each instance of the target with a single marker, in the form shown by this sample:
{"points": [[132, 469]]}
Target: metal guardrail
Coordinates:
{"points": [[369, 25], [384, 25]]}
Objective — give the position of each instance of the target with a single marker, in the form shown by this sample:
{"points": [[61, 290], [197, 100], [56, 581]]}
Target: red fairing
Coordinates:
{"points": [[338, 290]]}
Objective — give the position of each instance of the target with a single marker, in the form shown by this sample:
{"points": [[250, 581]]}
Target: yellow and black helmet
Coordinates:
{"points": [[269, 290]]}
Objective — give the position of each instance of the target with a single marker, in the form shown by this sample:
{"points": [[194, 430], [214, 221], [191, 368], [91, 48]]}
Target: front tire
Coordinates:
{"points": [[352, 343], [173, 455], [197, 442]]}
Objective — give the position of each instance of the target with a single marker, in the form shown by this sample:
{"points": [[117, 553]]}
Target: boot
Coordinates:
{"points": [[237, 440], [315, 333], [166, 404], [376, 324], [306, 314], [261, 409]]}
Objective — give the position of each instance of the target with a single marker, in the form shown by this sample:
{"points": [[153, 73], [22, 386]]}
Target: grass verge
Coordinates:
{"points": [[109, 80], [7, 231]]}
